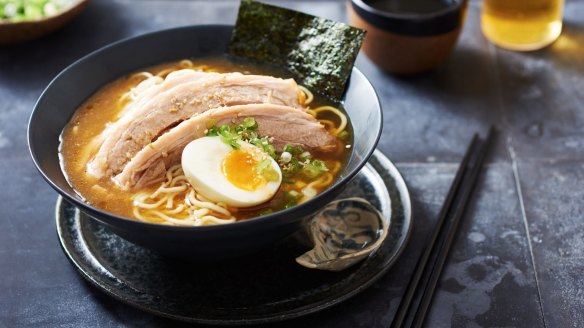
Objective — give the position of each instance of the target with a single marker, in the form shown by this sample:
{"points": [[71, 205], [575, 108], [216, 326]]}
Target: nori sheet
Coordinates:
{"points": [[318, 51]]}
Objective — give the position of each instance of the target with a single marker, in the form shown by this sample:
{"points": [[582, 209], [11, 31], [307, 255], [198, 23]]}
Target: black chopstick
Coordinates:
{"points": [[405, 303], [427, 272]]}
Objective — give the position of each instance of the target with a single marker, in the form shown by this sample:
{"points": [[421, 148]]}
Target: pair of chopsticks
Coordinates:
{"points": [[416, 300]]}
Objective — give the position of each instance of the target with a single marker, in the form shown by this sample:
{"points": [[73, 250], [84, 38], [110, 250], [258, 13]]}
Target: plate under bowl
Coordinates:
{"points": [[268, 286]]}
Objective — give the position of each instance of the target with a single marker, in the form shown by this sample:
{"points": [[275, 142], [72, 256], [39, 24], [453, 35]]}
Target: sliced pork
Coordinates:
{"points": [[181, 95], [286, 125]]}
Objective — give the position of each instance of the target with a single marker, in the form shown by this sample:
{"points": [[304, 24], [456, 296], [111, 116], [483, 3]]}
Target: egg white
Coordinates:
{"points": [[202, 161]]}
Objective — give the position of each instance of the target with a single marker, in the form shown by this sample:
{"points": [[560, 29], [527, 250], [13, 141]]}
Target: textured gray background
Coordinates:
{"points": [[517, 261]]}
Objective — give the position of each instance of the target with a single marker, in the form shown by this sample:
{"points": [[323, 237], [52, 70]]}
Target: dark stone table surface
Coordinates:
{"points": [[518, 260]]}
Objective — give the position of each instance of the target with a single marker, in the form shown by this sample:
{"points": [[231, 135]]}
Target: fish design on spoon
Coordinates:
{"points": [[344, 232]]}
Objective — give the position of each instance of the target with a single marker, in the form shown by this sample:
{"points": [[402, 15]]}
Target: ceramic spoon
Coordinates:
{"points": [[344, 232]]}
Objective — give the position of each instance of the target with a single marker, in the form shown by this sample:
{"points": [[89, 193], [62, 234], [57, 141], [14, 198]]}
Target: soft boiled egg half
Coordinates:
{"points": [[241, 177]]}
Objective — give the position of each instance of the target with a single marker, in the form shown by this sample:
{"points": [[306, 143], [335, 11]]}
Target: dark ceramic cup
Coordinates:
{"points": [[80, 80], [406, 42]]}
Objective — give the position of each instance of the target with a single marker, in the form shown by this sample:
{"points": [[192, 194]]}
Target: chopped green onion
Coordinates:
{"points": [[262, 166], [344, 135], [233, 143], [292, 160], [23, 10], [270, 174], [320, 165], [212, 132], [225, 130], [292, 167], [226, 139], [266, 170], [291, 198], [292, 149], [314, 169], [270, 150], [249, 123], [286, 157]]}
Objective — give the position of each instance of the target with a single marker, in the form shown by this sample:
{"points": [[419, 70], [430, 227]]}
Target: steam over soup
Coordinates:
{"points": [[204, 142]]}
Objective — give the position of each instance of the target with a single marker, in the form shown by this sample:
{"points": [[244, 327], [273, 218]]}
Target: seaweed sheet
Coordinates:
{"points": [[318, 51]]}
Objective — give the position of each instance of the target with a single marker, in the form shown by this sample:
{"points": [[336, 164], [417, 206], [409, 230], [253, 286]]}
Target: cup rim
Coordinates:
{"points": [[362, 4], [412, 24]]}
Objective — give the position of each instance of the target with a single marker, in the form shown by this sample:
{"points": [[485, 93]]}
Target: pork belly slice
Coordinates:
{"points": [[173, 79], [180, 96], [286, 125], [147, 90]]}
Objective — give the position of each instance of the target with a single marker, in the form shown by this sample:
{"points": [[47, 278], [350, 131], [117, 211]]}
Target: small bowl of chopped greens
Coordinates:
{"points": [[25, 20]]}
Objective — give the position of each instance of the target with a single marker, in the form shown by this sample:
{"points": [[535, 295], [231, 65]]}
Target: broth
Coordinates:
{"points": [[102, 108]]}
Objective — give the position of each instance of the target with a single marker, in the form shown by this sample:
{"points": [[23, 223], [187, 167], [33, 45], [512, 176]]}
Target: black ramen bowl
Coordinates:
{"points": [[83, 78]]}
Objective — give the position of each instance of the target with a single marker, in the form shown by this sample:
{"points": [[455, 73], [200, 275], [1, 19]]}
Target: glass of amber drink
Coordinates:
{"points": [[522, 25]]}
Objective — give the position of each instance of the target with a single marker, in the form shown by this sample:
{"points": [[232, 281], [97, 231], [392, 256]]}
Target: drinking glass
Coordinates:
{"points": [[522, 25]]}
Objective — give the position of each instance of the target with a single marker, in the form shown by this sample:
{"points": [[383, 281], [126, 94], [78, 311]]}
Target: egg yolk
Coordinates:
{"points": [[239, 169]]}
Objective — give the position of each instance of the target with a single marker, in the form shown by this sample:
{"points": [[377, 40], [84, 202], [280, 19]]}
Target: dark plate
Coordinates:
{"points": [[268, 286]]}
